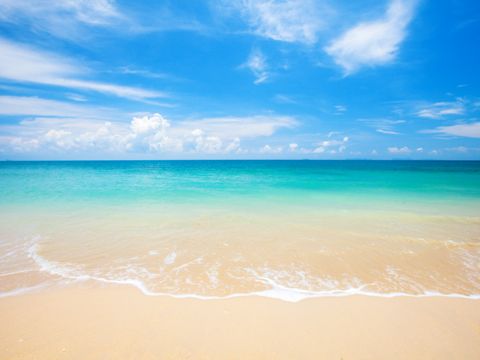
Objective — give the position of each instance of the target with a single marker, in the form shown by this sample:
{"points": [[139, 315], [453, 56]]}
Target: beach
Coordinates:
{"points": [[308, 260], [120, 323]]}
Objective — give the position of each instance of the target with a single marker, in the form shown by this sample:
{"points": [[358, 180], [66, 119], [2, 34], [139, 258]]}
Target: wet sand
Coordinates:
{"points": [[118, 322]]}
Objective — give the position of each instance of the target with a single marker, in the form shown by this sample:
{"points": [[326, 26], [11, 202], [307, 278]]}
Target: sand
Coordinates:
{"points": [[119, 322]]}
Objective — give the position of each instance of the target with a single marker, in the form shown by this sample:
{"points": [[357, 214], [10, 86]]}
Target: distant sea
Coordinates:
{"points": [[209, 229]]}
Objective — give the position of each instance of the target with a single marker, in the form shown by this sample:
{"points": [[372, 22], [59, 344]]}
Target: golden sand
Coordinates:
{"points": [[118, 322]]}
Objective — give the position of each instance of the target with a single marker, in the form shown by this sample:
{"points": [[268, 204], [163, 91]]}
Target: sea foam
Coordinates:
{"points": [[274, 290]]}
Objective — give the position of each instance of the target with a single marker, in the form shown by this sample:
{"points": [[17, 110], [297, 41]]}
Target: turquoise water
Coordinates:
{"points": [[219, 181], [285, 229]]}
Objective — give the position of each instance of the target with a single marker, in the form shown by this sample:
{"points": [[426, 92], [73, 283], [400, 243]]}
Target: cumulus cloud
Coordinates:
{"points": [[22, 63], [374, 42], [146, 124], [284, 20], [399, 150], [257, 64], [267, 149], [144, 134]]}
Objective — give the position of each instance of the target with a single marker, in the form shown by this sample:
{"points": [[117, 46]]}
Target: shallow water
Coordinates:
{"points": [[285, 229]]}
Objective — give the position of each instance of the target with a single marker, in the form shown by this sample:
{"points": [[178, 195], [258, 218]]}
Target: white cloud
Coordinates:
{"points": [[257, 64], [144, 134], [60, 18], [332, 146], [22, 63], [471, 130], [267, 149], [26, 105], [375, 42], [284, 20], [399, 150], [441, 109], [242, 127], [94, 12], [146, 124], [340, 109], [284, 99], [76, 97], [234, 146], [383, 126], [387, 132], [293, 147]]}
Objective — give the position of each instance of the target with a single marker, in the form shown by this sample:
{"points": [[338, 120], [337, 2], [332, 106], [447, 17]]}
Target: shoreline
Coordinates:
{"points": [[120, 322]]}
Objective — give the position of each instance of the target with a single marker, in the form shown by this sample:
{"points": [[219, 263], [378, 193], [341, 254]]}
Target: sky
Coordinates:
{"points": [[239, 79]]}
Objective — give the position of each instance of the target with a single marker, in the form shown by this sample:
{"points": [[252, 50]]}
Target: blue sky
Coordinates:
{"points": [[239, 79]]}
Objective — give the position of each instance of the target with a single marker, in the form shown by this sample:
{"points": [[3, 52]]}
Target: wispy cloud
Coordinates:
{"points": [[439, 110], [60, 18], [130, 70], [471, 130], [383, 126], [332, 146], [78, 20], [243, 127], [28, 105], [284, 20], [388, 132], [25, 64], [374, 42], [257, 64]]}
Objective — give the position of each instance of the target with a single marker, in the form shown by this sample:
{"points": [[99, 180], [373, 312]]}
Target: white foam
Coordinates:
{"points": [[275, 290], [23, 290]]}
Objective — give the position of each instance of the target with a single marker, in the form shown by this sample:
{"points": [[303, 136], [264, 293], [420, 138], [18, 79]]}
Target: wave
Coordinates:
{"points": [[274, 290]]}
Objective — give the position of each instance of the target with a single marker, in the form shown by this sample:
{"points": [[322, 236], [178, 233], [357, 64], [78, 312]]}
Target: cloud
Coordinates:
{"points": [[442, 109], [28, 105], [332, 146], [144, 134], [257, 64], [388, 132], [471, 130], [284, 20], [383, 126], [61, 18], [284, 99], [340, 109], [130, 70], [375, 42], [146, 124], [242, 127], [399, 150], [24, 64], [293, 147], [267, 149]]}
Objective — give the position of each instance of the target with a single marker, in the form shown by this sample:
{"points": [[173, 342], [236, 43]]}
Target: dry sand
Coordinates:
{"points": [[121, 323]]}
